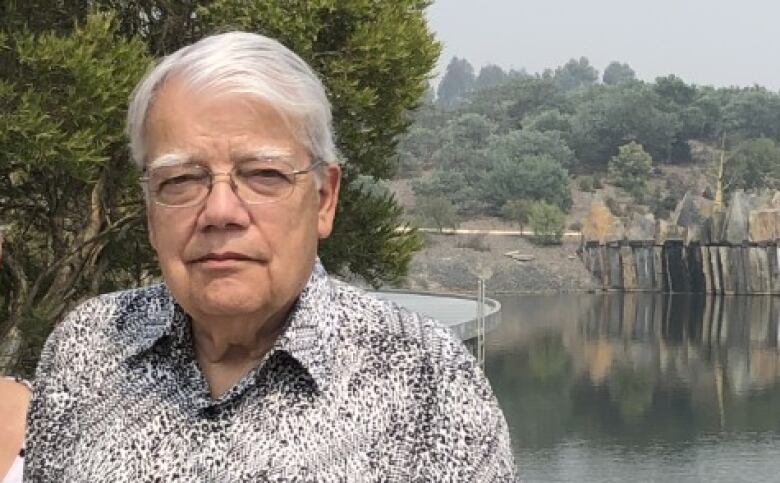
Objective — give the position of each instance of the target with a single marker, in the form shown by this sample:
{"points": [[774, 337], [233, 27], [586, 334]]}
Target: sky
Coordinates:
{"points": [[712, 42]]}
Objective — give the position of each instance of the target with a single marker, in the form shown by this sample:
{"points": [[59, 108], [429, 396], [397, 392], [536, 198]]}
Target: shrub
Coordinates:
{"points": [[547, 222], [475, 242], [586, 184]]}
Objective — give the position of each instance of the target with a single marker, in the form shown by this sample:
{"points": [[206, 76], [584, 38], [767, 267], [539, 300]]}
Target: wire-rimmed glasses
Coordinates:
{"points": [[254, 182]]}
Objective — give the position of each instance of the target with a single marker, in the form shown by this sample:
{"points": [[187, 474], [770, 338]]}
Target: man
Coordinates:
{"points": [[249, 363]]}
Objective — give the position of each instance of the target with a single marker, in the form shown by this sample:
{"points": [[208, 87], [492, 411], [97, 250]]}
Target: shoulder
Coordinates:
{"points": [[368, 316], [102, 325]]}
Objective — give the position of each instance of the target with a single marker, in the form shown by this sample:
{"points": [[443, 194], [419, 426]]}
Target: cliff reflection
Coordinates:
{"points": [[636, 367]]}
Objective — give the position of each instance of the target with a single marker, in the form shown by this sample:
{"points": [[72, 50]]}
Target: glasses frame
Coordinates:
{"points": [[145, 178]]}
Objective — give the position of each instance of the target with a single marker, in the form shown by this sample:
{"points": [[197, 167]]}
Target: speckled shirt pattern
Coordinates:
{"points": [[355, 389]]}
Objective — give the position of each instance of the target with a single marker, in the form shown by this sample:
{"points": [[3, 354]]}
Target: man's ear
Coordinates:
{"points": [[329, 197]]}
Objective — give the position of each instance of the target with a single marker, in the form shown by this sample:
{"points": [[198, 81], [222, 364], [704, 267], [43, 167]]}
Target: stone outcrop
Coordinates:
{"points": [[699, 249]]}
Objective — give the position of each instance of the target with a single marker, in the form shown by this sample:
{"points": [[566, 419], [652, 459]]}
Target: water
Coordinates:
{"points": [[640, 387]]}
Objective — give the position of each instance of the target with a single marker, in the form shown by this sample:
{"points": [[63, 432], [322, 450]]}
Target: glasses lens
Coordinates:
{"points": [[179, 185], [264, 181]]}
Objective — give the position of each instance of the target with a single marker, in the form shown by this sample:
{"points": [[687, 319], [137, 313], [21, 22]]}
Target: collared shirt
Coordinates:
{"points": [[355, 389]]}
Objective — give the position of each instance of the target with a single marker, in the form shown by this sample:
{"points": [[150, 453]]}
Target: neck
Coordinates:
{"points": [[226, 350], [236, 339]]}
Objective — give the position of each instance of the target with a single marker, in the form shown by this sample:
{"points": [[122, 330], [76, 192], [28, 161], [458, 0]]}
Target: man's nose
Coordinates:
{"points": [[223, 208]]}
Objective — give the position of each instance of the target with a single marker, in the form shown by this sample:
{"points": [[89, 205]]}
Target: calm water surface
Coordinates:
{"points": [[641, 387]]}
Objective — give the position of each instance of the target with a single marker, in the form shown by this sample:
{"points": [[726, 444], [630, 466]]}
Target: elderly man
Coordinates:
{"points": [[249, 363]]}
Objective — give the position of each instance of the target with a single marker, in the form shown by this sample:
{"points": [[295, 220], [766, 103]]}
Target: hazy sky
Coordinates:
{"points": [[716, 42]]}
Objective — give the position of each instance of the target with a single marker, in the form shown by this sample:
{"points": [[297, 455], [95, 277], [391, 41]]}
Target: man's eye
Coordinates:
{"points": [[180, 180], [264, 174]]}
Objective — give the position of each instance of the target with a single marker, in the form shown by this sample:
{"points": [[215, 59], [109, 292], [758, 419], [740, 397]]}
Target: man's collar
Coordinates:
{"points": [[307, 337]]}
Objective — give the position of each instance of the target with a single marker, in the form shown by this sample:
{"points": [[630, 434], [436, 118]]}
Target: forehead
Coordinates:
{"points": [[211, 124]]}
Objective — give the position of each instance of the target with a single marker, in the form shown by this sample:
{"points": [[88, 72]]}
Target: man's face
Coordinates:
{"points": [[224, 258]]}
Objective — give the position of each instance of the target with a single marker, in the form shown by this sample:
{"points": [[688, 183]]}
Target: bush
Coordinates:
{"points": [[631, 168], [475, 242], [547, 222], [597, 183], [575, 226], [586, 184]]}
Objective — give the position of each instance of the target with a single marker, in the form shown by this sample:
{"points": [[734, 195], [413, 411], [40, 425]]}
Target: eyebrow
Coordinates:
{"points": [[170, 159], [264, 154]]}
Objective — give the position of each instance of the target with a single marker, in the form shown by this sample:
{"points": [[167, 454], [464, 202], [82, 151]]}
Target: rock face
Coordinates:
{"points": [[642, 228], [698, 250], [764, 225], [692, 210]]}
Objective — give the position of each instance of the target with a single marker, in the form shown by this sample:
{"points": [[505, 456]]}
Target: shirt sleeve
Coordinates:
{"points": [[470, 439]]}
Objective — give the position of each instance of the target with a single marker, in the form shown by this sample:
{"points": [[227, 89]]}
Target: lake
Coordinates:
{"points": [[639, 387]]}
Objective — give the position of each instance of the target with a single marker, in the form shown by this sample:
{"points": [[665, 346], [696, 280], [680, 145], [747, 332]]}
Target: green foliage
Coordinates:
{"points": [[531, 177], [437, 211], [547, 222], [68, 195], [586, 184], [549, 120], [617, 73], [575, 74], [519, 144], [458, 81], [451, 184], [616, 116], [754, 164], [516, 211], [490, 76], [630, 168]]}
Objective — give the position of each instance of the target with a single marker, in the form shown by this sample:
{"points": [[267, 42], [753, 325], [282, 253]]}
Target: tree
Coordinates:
{"points": [[575, 74], [525, 143], [617, 73], [753, 164], [437, 210], [458, 81], [68, 195], [516, 211], [490, 76], [530, 177], [63, 103], [547, 221], [616, 116], [630, 168]]}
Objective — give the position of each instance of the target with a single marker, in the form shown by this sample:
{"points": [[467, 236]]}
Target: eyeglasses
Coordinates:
{"points": [[254, 182]]}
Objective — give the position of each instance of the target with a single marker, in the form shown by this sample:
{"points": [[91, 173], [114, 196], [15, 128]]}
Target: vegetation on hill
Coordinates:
{"points": [[490, 146]]}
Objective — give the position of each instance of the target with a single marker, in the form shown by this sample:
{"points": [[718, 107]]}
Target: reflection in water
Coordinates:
{"points": [[665, 379]]}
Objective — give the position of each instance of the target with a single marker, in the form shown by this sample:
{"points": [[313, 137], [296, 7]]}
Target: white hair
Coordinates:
{"points": [[242, 63]]}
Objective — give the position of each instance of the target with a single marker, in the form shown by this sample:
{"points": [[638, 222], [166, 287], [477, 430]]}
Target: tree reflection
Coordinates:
{"points": [[636, 367]]}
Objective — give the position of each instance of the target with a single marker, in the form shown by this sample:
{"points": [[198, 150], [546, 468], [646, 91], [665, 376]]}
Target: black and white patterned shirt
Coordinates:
{"points": [[356, 389]]}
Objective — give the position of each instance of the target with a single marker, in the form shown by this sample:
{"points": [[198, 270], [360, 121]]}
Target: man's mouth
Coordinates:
{"points": [[223, 257]]}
